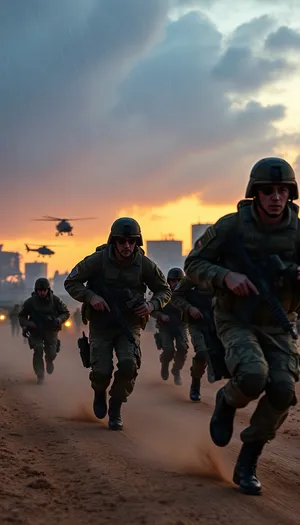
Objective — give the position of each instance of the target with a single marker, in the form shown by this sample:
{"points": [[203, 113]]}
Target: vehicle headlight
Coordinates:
{"points": [[67, 324], [2, 317]]}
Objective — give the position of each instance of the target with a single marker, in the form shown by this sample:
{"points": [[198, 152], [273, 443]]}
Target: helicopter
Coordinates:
{"points": [[41, 250], [63, 225]]}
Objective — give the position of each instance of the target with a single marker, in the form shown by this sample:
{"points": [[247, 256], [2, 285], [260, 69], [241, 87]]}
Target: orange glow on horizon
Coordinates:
{"points": [[174, 218]]}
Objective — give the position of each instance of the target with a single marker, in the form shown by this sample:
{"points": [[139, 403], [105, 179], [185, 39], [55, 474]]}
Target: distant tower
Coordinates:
{"points": [[197, 231], [165, 253], [34, 271]]}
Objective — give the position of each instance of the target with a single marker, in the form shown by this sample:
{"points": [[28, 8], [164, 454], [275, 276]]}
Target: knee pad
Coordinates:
{"points": [[127, 369], [252, 385], [281, 395], [99, 379]]}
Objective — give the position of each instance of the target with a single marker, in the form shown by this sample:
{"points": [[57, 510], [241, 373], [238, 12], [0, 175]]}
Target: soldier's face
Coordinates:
{"points": [[273, 198], [173, 283], [42, 293], [125, 246]]}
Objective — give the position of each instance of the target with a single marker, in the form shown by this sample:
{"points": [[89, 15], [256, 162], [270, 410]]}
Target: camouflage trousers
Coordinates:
{"points": [[39, 344], [199, 362], [103, 342], [174, 346], [261, 360]]}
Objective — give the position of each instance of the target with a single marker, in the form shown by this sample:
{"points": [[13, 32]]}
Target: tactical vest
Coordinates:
{"points": [[116, 277], [260, 243], [281, 240], [43, 307]]}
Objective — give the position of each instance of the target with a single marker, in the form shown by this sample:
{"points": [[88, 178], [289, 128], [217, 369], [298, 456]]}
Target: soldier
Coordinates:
{"points": [[14, 320], [116, 270], [77, 319], [193, 299], [171, 329], [261, 357], [41, 317]]}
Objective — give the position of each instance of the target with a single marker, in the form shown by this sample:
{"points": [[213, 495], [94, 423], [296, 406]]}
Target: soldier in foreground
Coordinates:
{"points": [[41, 318], [171, 329], [193, 300], [117, 275], [255, 316]]}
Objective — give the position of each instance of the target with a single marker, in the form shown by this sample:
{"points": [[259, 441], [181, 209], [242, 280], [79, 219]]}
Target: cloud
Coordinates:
{"points": [[252, 31], [283, 40], [245, 72], [107, 104]]}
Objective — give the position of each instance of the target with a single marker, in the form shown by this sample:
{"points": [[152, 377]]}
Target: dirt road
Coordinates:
{"points": [[59, 465]]}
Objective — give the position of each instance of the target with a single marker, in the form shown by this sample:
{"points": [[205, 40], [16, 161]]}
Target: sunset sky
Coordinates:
{"points": [[155, 109]]}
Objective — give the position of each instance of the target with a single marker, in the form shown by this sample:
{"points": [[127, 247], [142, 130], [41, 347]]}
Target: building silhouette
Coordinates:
{"points": [[165, 253]]}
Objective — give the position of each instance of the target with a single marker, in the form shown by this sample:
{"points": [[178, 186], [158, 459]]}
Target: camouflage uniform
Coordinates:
{"points": [[48, 314], [185, 296], [260, 356], [106, 335]]}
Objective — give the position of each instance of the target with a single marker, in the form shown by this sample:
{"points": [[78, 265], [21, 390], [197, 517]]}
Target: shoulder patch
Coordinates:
{"points": [[74, 272], [207, 237]]}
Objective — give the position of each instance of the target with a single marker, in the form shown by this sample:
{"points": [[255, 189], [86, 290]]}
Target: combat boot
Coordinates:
{"points": [[114, 414], [245, 469], [164, 372], [221, 423], [40, 379], [100, 405], [177, 377], [49, 367], [195, 390]]}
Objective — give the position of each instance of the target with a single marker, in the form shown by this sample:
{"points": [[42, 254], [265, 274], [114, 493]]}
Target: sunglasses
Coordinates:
{"points": [[268, 190], [124, 240]]}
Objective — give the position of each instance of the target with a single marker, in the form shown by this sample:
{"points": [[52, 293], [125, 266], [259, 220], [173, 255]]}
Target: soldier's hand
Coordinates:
{"points": [[99, 304], [195, 313], [143, 309], [164, 318], [239, 284]]}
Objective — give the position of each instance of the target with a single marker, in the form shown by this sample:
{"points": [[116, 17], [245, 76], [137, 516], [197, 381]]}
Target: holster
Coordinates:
{"points": [[84, 350]]}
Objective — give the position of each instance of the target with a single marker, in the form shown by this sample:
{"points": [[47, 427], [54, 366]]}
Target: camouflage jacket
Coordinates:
{"points": [[213, 257]]}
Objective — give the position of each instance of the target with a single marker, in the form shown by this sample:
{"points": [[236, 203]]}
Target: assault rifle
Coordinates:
{"points": [[131, 302], [264, 282]]}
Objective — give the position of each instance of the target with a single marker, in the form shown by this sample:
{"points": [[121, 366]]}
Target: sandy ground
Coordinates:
{"points": [[59, 465]]}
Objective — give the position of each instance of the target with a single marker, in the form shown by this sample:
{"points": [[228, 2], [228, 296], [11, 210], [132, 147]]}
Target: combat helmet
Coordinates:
{"points": [[42, 284], [272, 170], [175, 273], [126, 227]]}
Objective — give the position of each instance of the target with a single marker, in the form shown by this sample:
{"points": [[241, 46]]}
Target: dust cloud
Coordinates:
{"points": [[169, 431]]}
